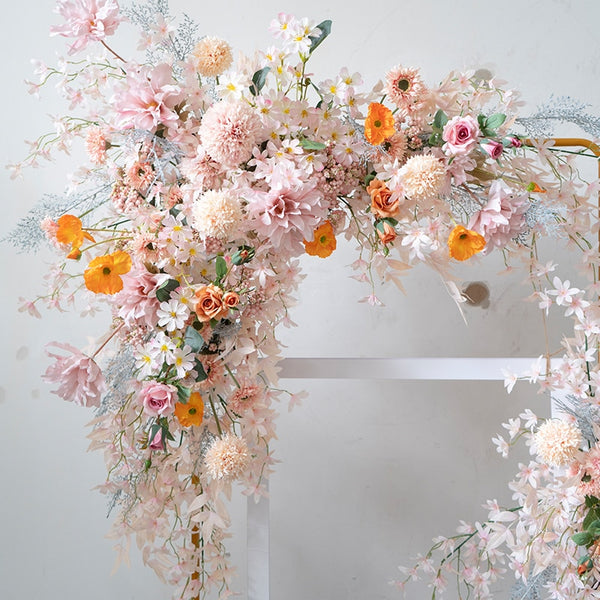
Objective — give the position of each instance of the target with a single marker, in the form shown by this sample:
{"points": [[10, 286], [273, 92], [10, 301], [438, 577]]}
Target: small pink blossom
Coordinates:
{"points": [[86, 21], [158, 398], [79, 377]]}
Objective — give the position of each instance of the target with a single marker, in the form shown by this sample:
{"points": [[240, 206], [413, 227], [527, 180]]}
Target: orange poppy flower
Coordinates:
{"points": [[464, 243], [71, 232], [379, 124], [191, 413], [324, 242], [103, 275]]}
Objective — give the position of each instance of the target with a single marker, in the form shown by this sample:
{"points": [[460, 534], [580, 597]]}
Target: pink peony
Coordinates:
{"points": [[86, 21], [148, 99], [79, 377], [286, 216], [460, 135], [502, 219], [229, 131], [494, 149], [158, 398], [137, 301]]}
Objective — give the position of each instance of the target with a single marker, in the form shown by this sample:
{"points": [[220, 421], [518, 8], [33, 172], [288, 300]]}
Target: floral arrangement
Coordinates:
{"points": [[206, 182]]}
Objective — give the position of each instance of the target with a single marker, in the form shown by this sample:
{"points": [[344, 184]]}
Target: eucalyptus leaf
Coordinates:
{"points": [[183, 394], [163, 293], [494, 121], [193, 339], [583, 538], [199, 368], [258, 80], [312, 145], [316, 40], [440, 120]]}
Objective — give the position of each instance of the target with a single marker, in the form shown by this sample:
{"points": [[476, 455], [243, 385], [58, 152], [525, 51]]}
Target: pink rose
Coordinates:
{"points": [[158, 398], [460, 135], [158, 442], [515, 142], [494, 149]]}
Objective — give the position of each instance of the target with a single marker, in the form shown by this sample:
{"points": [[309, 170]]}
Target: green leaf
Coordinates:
{"points": [[583, 538], [494, 121], [589, 518], [435, 139], [316, 40], [258, 80], [440, 120], [163, 293], [193, 339], [311, 144], [221, 268], [183, 394], [481, 121], [199, 368], [391, 221], [590, 500], [370, 177]]}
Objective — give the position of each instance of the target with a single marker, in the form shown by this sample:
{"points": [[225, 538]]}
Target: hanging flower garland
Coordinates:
{"points": [[206, 181]]}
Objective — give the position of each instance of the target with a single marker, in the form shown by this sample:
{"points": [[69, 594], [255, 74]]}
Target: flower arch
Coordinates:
{"points": [[204, 185]]}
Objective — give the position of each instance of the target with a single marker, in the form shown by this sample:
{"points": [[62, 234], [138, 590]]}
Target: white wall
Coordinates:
{"points": [[370, 471]]}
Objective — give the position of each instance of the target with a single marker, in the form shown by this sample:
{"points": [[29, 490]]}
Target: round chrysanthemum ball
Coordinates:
{"points": [[423, 177], [229, 131], [557, 442], [227, 458], [212, 56], [216, 214]]}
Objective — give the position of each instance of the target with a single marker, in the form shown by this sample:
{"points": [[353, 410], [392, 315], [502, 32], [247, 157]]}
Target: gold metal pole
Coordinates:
{"points": [[576, 143]]}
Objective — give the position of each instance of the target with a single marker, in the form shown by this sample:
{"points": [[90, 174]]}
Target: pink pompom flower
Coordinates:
{"points": [[79, 378]]}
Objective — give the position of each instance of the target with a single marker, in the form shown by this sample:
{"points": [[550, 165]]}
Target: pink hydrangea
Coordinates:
{"points": [[502, 218], [137, 301], [86, 21], [286, 216], [79, 378], [148, 99], [229, 131]]}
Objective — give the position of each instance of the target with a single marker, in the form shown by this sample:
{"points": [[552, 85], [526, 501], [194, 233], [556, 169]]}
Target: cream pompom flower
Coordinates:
{"points": [[217, 213], [557, 442], [227, 458], [213, 56], [423, 177]]}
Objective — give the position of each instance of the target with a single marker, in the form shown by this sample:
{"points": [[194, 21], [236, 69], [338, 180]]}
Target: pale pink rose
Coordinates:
{"points": [[158, 399], [494, 149], [148, 99], [80, 379], [460, 135], [86, 21]]}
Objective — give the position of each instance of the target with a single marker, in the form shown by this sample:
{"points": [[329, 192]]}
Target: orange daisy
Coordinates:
{"points": [[379, 124], [103, 275], [324, 242], [464, 243], [70, 231], [191, 413]]}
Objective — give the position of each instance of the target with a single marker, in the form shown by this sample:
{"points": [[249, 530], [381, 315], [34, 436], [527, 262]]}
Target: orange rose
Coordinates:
{"points": [[230, 299], [210, 303], [382, 205], [388, 234]]}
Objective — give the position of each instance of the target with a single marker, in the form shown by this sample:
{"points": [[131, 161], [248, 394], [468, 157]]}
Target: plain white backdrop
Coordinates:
{"points": [[369, 471]]}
